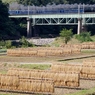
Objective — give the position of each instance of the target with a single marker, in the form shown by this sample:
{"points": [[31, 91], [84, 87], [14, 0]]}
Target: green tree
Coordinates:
{"points": [[66, 35]]}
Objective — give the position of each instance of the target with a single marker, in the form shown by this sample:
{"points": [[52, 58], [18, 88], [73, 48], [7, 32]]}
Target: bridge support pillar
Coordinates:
{"points": [[84, 28], [79, 29], [29, 30]]}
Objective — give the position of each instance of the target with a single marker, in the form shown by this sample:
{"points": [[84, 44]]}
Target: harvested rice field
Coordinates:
{"points": [[44, 63]]}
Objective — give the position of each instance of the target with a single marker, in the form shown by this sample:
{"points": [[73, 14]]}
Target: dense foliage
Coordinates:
{"points": [[25, 43], [7, 27], [3, 18], [84, 37], [45, 2]]}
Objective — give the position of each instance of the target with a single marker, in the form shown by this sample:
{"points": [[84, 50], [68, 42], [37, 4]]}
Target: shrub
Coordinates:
{"points": [[8, 44], [25, 43], [84, 37], [2, 44]]}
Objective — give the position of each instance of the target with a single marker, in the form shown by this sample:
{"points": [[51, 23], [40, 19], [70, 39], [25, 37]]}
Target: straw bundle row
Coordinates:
{"points": [[15, 83], [57, 77], [86, 70], [42, 52], [66, 67]]}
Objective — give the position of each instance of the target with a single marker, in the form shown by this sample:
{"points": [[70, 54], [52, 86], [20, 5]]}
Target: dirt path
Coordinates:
{"points": [[45, 60]]}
